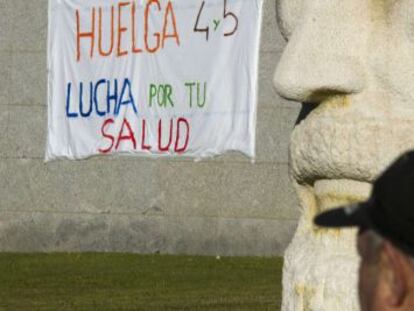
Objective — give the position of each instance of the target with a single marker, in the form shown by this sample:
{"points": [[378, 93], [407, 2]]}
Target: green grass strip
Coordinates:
{"points": [[91, 281]]}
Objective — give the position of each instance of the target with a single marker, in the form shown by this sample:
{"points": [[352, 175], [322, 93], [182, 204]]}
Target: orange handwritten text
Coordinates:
{"points": [[125, 29]]}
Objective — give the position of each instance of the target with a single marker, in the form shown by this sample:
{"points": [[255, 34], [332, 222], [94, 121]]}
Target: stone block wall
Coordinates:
{"points": [[223, 206]]}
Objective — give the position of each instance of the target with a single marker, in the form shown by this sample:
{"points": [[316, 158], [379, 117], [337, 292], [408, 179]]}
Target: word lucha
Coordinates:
{"points": [[123, 28], [99, 98]]}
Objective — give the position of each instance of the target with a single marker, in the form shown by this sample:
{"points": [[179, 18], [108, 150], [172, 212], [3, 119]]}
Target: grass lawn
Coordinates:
{"points": [[90, 281]]}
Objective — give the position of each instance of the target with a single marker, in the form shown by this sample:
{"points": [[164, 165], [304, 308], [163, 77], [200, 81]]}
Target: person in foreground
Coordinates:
{"points": [[385, 238]]}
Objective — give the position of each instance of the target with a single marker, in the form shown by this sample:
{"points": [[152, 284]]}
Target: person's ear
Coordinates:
{"points": [[394, 265]]}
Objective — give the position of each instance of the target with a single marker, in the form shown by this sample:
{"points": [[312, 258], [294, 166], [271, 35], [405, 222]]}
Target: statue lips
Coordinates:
{"points": [[335, 141]]}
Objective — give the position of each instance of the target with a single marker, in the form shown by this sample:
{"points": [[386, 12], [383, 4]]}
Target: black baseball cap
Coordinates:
{"points": [[390, 209]]}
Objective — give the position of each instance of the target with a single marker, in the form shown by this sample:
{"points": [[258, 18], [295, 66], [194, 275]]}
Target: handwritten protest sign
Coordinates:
{"points": [[152, 77]]}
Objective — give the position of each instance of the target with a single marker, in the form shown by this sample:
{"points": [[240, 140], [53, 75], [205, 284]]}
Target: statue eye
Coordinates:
{"points": [[288, 13]]}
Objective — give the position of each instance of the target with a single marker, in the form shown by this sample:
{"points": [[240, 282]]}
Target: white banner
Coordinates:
{"points": [[152, 77]]}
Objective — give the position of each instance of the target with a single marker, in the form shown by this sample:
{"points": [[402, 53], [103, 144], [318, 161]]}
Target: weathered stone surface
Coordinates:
{"points": [[132, 233], [227, 190], [5, 74], [272, 125], [305, 277], [360, 116], [272, 41], [81, 233], [345, 144], [6, 38], [28, 79], [45, 232], [28, 25], [218, 206], [26, 132], [191, 235], [48, 232], [93, 186], [26, 233], [4, 123], [242, 237], [268, 97]]}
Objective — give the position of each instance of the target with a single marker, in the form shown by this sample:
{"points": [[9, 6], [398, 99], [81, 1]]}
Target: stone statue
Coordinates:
{"points": [[351, 64]]}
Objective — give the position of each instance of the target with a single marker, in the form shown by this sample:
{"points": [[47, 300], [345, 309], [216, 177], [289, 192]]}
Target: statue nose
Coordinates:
{"points": [[314, 66], [308, 81]]}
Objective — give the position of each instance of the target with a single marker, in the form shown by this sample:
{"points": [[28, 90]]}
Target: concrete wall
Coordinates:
{"points": [[225, 206]]}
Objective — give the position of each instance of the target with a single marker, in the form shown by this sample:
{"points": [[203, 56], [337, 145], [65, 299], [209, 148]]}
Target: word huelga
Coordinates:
{"points": [[128, 27], [134, 136]]}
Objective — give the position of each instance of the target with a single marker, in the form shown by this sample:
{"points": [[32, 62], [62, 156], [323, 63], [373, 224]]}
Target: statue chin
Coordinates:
{"points": [[320, 267], [333, 161]]}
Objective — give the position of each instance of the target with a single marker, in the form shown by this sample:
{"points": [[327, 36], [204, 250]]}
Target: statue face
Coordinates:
{"points": [[351, 64]]}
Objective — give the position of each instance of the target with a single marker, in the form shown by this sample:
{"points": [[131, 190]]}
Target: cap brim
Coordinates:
{"points": [[355, 215]]}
